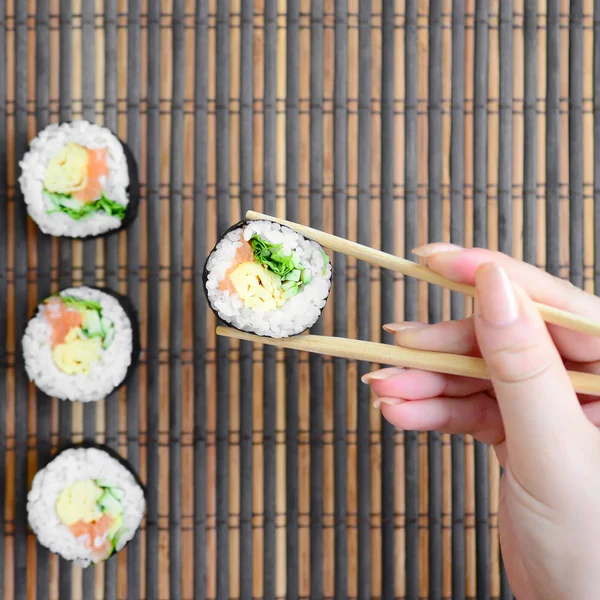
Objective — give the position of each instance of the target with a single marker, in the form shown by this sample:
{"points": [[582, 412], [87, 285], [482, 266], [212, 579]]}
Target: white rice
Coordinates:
{"points": [[68, 467], [297, 314], [103, 377], [43, 147]]}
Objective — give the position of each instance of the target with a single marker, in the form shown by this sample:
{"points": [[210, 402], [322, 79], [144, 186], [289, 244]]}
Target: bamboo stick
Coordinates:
{"points": [[440, 362], [408, 268]]}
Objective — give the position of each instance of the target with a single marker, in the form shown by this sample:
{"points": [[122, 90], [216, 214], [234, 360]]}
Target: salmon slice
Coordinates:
{"points": [[94, 529], [244, 254], [94, 536], [61, 319], [102, 526], [102, 552], [97, 168], [80, 529]]}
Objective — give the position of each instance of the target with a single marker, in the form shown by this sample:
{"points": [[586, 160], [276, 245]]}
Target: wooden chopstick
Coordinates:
{"points": [[386, 354], [412, 269]]}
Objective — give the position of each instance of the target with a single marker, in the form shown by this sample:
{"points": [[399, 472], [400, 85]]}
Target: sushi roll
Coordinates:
{"points": [[85, 505], [267, 279], [78, 180], [81, 344]]}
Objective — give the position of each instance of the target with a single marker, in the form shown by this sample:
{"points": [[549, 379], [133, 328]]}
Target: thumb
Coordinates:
{"points": [[539, 407]]}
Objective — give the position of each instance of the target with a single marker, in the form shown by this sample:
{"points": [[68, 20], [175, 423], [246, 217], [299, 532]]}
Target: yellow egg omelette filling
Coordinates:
{"points": [[76, 355], [67, 171], [256, 286], [79, 502]]}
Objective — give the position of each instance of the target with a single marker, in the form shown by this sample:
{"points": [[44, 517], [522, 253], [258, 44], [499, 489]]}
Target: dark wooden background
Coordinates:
{"points": [[388, 122]]}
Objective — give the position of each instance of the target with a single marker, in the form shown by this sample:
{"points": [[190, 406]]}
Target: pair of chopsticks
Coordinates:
{"points": [[386, 354]]}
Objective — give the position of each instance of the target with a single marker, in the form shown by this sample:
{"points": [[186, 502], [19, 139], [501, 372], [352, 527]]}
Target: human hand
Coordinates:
{"points": [[544, 435]]}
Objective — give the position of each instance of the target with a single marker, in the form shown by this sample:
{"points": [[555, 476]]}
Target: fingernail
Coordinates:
{"points": [[381, 375], [435, 248], [388, 401], [408, 326], [496, 299]]}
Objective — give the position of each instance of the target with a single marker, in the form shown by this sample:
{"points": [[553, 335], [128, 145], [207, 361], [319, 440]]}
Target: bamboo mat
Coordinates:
{"points": [[389, 122]]}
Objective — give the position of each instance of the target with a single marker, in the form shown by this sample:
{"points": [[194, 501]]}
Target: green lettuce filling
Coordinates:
{"points": [[79, 210], [292, 274], [78, 304], [325, 262], [110, 503], [272, 257]]}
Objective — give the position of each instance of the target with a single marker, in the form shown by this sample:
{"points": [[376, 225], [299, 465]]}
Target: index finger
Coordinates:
{"points": [[460, 265]]}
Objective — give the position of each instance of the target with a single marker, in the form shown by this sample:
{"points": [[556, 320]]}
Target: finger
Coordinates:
{"points": [[413, 384], [458, 337], [455, 337], [477, 415], [538, 404], [592, 411], [592, 368], [461, 265], [587, 367]]}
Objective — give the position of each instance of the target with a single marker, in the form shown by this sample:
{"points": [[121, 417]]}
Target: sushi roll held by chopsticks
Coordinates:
{"points": [[266, 279], [81, 344], [85, 505], [78, 180]]}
